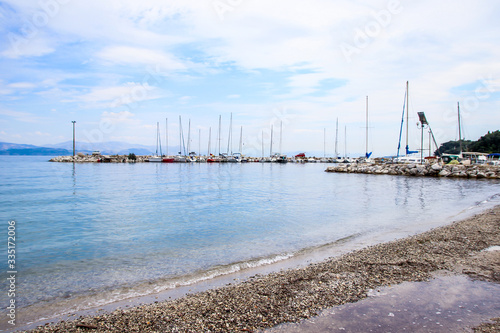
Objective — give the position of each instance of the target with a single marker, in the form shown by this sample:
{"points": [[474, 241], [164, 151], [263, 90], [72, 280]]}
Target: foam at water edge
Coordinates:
{"points": [[88, 302]]}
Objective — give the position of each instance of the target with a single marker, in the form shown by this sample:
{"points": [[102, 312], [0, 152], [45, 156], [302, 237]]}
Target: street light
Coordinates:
{"points": [[73, 137], [423, 122]]}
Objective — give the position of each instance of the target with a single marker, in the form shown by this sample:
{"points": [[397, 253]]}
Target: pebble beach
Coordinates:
{"points": [[293, 295]]}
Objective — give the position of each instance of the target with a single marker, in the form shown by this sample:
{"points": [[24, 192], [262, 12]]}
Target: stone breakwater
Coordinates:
{"points": [[99, 158], [426, 170]]}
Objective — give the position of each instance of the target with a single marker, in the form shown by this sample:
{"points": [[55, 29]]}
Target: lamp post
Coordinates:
{"points": [[423, 122], [73, 137]]}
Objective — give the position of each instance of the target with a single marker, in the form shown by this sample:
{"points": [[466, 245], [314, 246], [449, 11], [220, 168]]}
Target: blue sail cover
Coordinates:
{"points": [[367, 155], [408, 151]]}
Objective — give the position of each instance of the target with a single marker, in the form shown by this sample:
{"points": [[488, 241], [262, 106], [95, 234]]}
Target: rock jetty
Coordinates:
{"points": [[425, 170], [81, 158]]}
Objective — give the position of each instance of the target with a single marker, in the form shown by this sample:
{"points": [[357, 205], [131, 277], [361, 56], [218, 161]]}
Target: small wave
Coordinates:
{"points": [[329, 245], [219, 271]]}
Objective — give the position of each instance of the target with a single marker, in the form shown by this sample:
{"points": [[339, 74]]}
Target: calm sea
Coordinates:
{"points": [[90, 234]]}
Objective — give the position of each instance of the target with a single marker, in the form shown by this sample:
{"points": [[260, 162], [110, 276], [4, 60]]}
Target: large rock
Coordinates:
{"points": [[437, 167], [481, 175], [444, 173]]}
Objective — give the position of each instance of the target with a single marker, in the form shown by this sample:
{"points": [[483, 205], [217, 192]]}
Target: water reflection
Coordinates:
{"points": [[445, 304], [73, 177]]}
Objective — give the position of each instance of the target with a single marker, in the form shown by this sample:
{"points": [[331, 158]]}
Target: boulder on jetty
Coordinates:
{"points": [[419, 170], [80, 158]]}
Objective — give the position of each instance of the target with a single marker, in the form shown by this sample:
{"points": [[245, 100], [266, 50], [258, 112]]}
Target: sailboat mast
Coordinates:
{"points": [[337, 139], [281, 135], [459, 129], [345, 141], [218, 139], [209, 140], [159, 138], [180, 136], [430, 141], [189, 138], [262, 144], [366, 154], [199, 142], [166, 135], [271, 149], [241, 140], [156, 151], [407, 115], [324, 142], [230, 136]]}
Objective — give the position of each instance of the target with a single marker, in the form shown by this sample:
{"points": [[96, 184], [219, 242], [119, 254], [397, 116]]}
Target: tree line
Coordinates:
{"points": [[489, 143]]}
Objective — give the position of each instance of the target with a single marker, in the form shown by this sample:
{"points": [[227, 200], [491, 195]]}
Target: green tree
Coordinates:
{"points": [[132, 156], [453, 147], [490, 143]]}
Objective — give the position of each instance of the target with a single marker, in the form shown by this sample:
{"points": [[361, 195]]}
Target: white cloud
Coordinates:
{"points": [[116, 96], [20, 46], [126, 55], [21, 116], [118, 117], [22, 85], [38, 133], [185, 99]]}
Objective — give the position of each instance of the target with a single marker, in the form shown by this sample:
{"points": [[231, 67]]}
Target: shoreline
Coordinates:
{"points": [[292, 295]]}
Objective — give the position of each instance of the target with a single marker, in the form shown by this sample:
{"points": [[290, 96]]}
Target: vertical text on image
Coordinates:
{"points": [[11, 271]]}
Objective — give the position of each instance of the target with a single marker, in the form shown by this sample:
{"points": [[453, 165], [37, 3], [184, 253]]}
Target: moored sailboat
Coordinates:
{"points": [[166, 158], [410, 156], [156, 157]]}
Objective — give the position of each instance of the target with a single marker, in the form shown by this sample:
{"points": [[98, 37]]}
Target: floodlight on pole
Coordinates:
{"points": [[422, 118], [423, 122]]}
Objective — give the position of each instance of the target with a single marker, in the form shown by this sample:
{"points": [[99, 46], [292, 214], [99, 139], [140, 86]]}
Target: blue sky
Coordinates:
{"points": [[119, 67]]}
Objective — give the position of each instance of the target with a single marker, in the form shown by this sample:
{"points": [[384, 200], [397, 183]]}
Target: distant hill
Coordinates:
{"points": [[106, 148], [489, 143], [66, 148], [7, 145], [7, 148], [137, 151], [36, 151]]}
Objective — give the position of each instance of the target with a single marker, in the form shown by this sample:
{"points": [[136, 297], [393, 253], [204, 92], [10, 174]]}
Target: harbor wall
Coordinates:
{"points": [[98, 158], [418, 170]]}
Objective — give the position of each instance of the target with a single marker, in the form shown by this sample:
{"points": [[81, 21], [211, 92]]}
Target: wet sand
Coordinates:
{"points": [[296, 294]]}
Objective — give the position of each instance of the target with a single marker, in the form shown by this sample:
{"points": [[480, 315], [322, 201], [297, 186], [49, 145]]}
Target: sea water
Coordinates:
{"points": [[90, 234]]}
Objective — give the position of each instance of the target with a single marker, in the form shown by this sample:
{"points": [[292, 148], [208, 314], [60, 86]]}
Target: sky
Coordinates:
{"points": [[119, 67]]}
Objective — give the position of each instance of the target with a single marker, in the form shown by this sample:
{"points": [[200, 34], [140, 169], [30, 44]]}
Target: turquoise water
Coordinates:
{"points": [[89, 234]]}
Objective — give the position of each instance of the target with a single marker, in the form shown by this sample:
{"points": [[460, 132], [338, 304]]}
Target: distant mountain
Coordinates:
{"points": [[7, 148], [106, 148], [7, 145], [137, 151], [36, 151], [66, 148]]}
